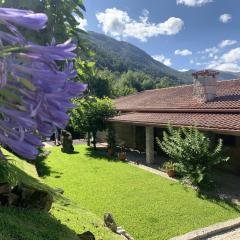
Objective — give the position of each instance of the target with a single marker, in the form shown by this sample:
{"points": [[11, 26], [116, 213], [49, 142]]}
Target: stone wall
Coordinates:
{"points": [[101, 137], [125, 134]]}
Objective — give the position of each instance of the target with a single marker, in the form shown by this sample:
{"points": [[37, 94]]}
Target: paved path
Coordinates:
{"points": [[230, 235], [75, 142], [152, 170]]}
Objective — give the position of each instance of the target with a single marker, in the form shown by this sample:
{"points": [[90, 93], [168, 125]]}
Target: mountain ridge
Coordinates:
{"points": [[121, 56]]}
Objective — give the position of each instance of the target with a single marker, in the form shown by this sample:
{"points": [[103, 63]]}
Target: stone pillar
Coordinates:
{"points": [[149, 144]]}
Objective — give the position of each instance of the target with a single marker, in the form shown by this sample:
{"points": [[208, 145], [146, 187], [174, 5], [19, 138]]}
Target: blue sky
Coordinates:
{"points": [[184, 34]]}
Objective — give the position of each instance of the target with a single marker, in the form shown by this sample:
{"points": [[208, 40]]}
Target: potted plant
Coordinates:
{"points": [[122, 155], [111, 141], [170, 168]]}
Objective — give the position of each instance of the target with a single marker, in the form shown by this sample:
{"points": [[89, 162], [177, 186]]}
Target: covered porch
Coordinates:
{"points": [[142, 139]]}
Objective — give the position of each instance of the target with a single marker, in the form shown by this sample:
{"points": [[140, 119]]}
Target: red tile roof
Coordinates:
{"points": [[228, 122], [228, 97], [176, 106]]}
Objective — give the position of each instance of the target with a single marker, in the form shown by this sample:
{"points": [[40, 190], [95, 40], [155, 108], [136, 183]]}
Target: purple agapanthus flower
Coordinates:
{"points": [[24, 18], [35, 92]]}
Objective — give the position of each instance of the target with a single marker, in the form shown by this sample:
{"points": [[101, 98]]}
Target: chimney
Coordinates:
{"points": [[204, 85]]}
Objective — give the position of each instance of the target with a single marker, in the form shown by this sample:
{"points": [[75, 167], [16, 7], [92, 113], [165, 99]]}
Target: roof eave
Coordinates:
{"points": [[181, 110], [235, 132]]}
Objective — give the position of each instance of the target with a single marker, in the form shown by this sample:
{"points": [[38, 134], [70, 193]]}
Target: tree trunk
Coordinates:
{"points": [[94, 140], [88, 139]]}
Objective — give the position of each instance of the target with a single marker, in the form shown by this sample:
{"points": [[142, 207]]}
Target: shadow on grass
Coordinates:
{"points": [[16, 221], [20, 176], [42, 168], [101, 154], [21, 224], [215, 193], [213, 197], [72, 153]]}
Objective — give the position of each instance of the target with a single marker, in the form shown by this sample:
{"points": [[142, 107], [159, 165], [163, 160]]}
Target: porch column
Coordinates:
{"points": [[149, 144]]}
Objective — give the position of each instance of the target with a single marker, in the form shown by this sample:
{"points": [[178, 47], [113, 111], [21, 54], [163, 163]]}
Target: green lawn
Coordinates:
{"points": [[66, 219], [148, 206]]}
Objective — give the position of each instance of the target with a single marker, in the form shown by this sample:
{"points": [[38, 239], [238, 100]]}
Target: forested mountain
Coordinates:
{"points": [[120, 56], [228, 75], [122, 68]]}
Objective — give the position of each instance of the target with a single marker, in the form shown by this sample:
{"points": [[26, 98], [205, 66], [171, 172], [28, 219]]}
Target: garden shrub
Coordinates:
{"points": [[193, 153]]}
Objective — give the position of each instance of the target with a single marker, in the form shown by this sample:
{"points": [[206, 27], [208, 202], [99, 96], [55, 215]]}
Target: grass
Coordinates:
{"points": [[66, 218], [148, 206]]}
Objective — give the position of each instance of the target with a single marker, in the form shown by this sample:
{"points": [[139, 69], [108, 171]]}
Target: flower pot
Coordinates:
{"points": [[122, 156], [110, 151], [171, 173]]}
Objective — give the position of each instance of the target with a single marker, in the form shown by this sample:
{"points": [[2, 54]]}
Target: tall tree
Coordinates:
{"points": [[90, 115]]}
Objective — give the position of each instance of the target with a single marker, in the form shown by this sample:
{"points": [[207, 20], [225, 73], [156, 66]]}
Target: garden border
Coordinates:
{"points": [[210, 231]]}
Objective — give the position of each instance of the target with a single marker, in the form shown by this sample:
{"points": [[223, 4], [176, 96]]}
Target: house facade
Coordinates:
{"points": [[210, 105]]}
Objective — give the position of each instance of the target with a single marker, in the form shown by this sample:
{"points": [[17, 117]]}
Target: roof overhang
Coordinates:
{"points": [[221, 123], [180, 110]]}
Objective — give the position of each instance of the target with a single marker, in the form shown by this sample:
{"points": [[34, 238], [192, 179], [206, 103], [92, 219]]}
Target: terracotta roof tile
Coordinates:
{"points": [[208, 121], [176, 106], [228, 97]]}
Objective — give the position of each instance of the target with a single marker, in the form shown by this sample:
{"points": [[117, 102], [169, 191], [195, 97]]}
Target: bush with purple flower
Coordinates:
{"points": [[35, 92]]}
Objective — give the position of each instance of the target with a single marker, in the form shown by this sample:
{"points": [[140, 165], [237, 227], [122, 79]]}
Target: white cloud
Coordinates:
{"points": [[225, 18], [118, 24], [226, 43], [229, 61], [183, 70], [82, 22], [193, 3], [161, 58], [229, 67], [214, 53], [184, 52], [232, 56], [210, 52]]}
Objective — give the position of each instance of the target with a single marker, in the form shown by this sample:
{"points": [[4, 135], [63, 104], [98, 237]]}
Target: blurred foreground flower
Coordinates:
{"points": [[35, 92]]}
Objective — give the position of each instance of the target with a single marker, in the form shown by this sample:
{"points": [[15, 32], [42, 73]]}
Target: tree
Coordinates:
{"points": [[165, 82], [90, 115]]}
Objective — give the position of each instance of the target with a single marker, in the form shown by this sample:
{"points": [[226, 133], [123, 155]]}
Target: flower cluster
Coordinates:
{"points": [[35, 92]]}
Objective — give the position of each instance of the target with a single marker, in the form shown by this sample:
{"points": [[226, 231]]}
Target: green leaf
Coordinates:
{"points": [[27, 84]]}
